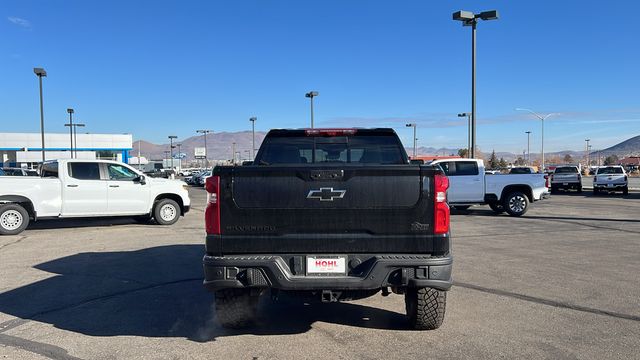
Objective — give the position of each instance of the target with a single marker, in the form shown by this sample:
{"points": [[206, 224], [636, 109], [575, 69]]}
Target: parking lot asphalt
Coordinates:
{"points": [[560, 282]]}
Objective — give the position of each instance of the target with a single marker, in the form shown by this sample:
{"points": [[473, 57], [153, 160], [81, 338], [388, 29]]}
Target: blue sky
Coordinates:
{"points": [[154, 68]]}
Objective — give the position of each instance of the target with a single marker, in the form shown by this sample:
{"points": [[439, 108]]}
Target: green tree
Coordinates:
{"points": [[493, 161], [502, 163], [611, 160], [463, 153]]}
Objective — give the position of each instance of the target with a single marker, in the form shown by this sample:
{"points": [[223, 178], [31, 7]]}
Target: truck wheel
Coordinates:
{"points": [[166, 212], [236, 308], [625, 190], [13, 219], [498, 209], [516, 203], [425, 307]]}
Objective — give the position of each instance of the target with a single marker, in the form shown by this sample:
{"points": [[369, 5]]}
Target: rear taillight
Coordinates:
{"points": [[441, 215], [625, 178], [546, 180], [212, 212]]}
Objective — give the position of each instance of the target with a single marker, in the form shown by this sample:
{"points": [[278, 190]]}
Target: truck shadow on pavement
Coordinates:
{"points": [[158, 292]]}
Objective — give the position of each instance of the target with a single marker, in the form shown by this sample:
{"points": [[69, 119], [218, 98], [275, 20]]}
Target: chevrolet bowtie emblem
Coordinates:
{"points": [[326, 194]]}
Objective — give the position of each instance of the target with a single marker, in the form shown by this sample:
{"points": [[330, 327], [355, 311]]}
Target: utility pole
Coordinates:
{"points": [[206, 153], [528, 147], [587, 153], [253, 137], [70, 111], [311, 95], [171, 137], [233, 153], [40, 72]]}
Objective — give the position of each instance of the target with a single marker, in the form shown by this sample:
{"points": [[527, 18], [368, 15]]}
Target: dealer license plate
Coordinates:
{"points": [[565, 184], [326, 265]]}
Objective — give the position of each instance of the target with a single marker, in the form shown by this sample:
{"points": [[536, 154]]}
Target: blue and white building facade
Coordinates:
{"points": [[25, 149]]}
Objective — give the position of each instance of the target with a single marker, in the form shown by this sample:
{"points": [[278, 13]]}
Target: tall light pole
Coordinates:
{"points": [[528, 147], [468, 18], [139, 165], [253, 137], [179, 156], [415, 140], [206, 153], [75, 136], [542, 118], [171, 137], [70, 111], [468, 115], [40, 72], [311, 95], [233, 153], [587, 148]]}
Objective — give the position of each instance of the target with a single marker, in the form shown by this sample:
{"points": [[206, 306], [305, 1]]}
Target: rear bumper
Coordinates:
{"points": [[607, 187], [566, 185], [365, 272]]}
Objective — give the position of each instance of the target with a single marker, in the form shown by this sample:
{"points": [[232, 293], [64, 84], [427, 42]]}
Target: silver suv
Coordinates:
{"points": [[611, 178]]}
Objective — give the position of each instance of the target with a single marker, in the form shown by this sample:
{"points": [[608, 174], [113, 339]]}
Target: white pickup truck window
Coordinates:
{"points": [[119, 172], [84, 171]]}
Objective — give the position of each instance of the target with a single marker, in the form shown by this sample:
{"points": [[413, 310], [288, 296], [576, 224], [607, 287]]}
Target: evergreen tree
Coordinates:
{"points": [[493, 161], [502, 164]]}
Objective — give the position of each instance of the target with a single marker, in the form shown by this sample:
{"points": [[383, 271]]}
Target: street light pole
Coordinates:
{"points": [[40, 72], [171, 137], [415, 139], [233, 153], [311, 95], [139, 165], [253, 137], [70, 111], [468, 115], [587, 155], [542, 118], [179, 157], [468, 18], [528, 147], [206, 153]]}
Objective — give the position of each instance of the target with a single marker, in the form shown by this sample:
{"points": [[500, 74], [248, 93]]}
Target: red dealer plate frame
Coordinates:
{"points": [[326, 265]]}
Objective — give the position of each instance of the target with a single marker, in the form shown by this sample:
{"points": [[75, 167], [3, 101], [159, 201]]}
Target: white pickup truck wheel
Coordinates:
{"points": [[13, 219], [166, 212], [516, 203]]}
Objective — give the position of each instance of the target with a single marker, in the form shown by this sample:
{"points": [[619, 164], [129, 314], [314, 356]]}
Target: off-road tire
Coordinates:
{"points": [[516, 203], [425, 307], [497, 208], [13, 219], [161, 208], [236, 308]]}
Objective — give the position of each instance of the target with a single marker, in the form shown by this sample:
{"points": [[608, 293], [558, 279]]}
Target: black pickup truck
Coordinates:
{"points": [[337, 214]]}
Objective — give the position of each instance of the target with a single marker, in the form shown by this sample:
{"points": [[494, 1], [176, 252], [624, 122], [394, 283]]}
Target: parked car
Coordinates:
{"points": [[566, 177], [335, 214], [522, 170], [17, 172], [610, 178], [200, 180], [511, 193], [89, 188]]}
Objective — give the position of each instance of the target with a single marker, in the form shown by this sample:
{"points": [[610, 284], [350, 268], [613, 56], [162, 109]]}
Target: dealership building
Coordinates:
{"points": [[25, 149]]}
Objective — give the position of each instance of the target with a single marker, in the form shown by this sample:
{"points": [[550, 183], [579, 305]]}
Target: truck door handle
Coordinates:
{"points": [[72, 185], [114, 185]]}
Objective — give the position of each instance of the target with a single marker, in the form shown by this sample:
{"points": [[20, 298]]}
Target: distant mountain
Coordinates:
{"points": [[219, 146], [629, 147]]}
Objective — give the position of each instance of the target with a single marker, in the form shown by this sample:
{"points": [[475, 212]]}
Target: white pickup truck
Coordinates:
{"points": [[468, 185], [89, 188]]}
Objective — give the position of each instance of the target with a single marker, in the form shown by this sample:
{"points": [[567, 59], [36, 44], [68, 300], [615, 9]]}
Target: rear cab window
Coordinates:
{"points": [[335, 146], [610, 170], [566, 170], [460, 168], [84, 171], [49, 169]]}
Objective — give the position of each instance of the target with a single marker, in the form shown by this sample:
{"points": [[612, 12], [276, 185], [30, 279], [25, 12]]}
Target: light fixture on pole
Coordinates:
{"points": [[415, 139], [311, 95], [171, 137], [204, 133], [75, 137], [468, 115], [542, 118], [528, 148], [253, 137], [468, 18], [70, 111], [40, 72]]}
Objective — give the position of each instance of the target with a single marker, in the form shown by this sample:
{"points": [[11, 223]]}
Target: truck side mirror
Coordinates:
{"points": [[140, 179]]}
